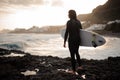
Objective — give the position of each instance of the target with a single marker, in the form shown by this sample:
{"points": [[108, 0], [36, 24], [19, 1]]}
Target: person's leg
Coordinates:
{"points": [[72, 54], [77, 55]]}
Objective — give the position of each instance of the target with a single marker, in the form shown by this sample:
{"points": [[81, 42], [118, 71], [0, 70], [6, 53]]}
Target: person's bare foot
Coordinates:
{"points": [[72, 72], [80, 68]]}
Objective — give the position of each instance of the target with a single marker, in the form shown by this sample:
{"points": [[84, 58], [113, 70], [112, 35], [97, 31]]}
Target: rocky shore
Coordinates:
{"points": [[29, 67], [112, 29]]}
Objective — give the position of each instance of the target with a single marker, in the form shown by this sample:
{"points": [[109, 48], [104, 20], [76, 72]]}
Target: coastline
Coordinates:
{"points": [[54, 68]]}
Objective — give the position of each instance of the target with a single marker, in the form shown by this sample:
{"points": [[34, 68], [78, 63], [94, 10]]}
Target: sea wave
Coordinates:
{"points": [[13, 45]]}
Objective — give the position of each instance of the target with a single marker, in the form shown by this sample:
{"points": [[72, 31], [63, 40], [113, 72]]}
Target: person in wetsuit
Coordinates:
{"points": [[72, 32]]}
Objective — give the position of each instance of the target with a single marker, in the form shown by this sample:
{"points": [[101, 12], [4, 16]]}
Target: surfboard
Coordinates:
{"points": [[88, 39]]}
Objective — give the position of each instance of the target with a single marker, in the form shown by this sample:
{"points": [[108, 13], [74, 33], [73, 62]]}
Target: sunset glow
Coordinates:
{"points": [[44, 16], [52, 12]]}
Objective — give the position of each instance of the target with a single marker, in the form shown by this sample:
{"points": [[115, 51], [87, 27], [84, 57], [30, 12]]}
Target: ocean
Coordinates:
{"points": [[52, 45]]}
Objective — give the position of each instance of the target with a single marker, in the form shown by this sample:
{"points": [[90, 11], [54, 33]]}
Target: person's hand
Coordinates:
{"points": [[64, 45]]}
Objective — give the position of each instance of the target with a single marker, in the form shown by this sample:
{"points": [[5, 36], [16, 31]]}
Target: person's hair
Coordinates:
{"points": [[72, 14]]}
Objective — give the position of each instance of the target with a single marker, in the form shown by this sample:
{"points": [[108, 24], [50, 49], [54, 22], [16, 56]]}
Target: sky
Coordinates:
{"points": [[28, 13]]}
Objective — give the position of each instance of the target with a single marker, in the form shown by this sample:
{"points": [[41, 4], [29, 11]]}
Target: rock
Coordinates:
{"points": [[4, 51], [54, 68], [114, 27]]}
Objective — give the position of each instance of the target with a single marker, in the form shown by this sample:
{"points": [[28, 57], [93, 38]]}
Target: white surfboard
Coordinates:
{"points": [[89, 39]]}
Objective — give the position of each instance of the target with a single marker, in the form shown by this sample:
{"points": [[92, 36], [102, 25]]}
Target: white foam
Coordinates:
{"points": [[52, 44]]}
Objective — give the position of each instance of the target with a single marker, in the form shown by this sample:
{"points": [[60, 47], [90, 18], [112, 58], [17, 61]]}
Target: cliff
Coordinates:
{"points": [[108, 12]]}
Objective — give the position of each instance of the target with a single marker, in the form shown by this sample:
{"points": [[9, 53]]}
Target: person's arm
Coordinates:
{"points": [[80, 26], [66, 35]]}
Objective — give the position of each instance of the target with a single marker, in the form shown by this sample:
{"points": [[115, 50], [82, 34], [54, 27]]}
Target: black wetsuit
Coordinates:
{"points": [[73, 33]]}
